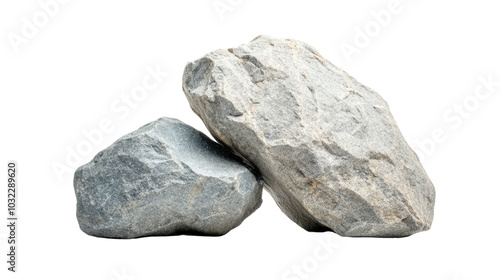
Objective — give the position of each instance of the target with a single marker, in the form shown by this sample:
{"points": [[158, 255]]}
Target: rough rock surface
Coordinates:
{"points": [[327, 146], [166, 178]]}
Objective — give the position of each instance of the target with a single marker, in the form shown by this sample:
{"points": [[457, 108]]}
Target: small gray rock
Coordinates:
{"points": [[166, 178], [327, 146]]}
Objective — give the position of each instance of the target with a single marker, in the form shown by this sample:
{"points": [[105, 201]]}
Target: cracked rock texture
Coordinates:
{"points": [[166, 178], [327, 146]]}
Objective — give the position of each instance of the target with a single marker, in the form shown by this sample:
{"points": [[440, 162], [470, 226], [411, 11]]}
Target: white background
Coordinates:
{"points": [[65, 77]]}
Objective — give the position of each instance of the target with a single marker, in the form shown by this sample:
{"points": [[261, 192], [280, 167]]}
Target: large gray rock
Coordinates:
{"points": [[327, 146], [165, 178]]}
